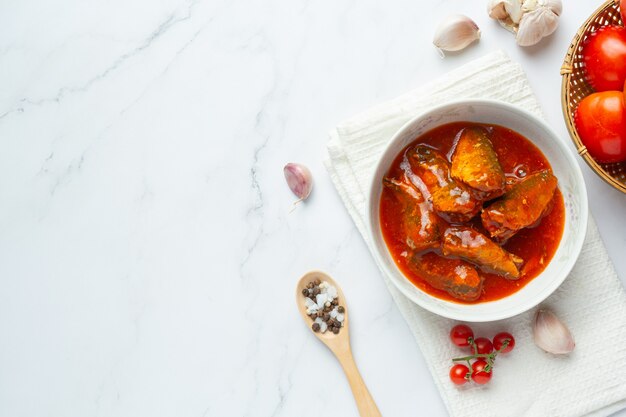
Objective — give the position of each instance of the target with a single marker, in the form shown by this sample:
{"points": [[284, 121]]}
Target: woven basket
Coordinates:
{"points": [[574, 88]]}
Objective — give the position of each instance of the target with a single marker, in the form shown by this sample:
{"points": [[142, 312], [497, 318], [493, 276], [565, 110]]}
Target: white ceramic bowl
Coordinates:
{"points": [[571, 184]]}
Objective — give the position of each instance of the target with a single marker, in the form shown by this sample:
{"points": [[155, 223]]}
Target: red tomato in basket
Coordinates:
{"points": [[604, 54], [601, 123]]}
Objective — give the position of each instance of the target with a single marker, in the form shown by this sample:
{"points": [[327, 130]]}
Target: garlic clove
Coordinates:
{"points": [[299, 180], [496, 9], [551, 334], [514, 10], [536, 25], [455, 33]]}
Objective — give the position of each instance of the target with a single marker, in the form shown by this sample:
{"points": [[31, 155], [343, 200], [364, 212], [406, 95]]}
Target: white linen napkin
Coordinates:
{"points": [[527, 382]]}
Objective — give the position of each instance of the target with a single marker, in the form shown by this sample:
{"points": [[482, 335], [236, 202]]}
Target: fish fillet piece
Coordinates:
{"points": [[475, 163], [525, 204], [451, 199], [455, 276], [477, 248], [420, 224]]}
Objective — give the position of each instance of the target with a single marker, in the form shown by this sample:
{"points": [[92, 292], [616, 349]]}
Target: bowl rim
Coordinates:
{"points": [[473, 316]]}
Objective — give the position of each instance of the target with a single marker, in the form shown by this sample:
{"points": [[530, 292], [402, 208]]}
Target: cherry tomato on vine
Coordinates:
{"points": [[498, 342], [483, 345], [604, 54], [458, 374], [479, 375], [600, 121], [460, 335]]}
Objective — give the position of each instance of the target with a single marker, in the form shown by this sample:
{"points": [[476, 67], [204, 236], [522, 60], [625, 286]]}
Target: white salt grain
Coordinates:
{"points": [[321, 300], [311, 306], [332, 292], [323, 327]]}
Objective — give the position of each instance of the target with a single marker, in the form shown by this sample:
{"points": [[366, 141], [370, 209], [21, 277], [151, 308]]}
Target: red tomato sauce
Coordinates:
{"points": [[536, 245]]}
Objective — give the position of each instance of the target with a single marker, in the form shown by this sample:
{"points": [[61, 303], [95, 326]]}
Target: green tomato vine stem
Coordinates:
{"points": [[489, 357]]}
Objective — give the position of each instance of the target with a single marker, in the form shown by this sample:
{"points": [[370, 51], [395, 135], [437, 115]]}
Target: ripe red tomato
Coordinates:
{"points": [[458, 374], [601, 123], [498, 341], [479, 375], [483, 345], [460, 335], [604, 54]]}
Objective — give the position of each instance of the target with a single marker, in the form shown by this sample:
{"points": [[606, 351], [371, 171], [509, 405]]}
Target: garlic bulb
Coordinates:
{"points": [[536, 25], [455, 33], [551, 334], [299, 180], [529, 20]]}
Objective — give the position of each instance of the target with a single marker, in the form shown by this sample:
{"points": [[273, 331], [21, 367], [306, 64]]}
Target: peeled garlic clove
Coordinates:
{"points": [[536, 25], [496, 9], [455, 33], [551, 334], [299, 180]]}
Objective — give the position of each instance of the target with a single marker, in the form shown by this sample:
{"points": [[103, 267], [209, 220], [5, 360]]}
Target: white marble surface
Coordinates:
{"points": [[148, 254]]}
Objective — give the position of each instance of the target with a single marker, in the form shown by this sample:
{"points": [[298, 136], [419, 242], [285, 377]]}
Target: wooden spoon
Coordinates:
{"points": [[339, 344]]}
